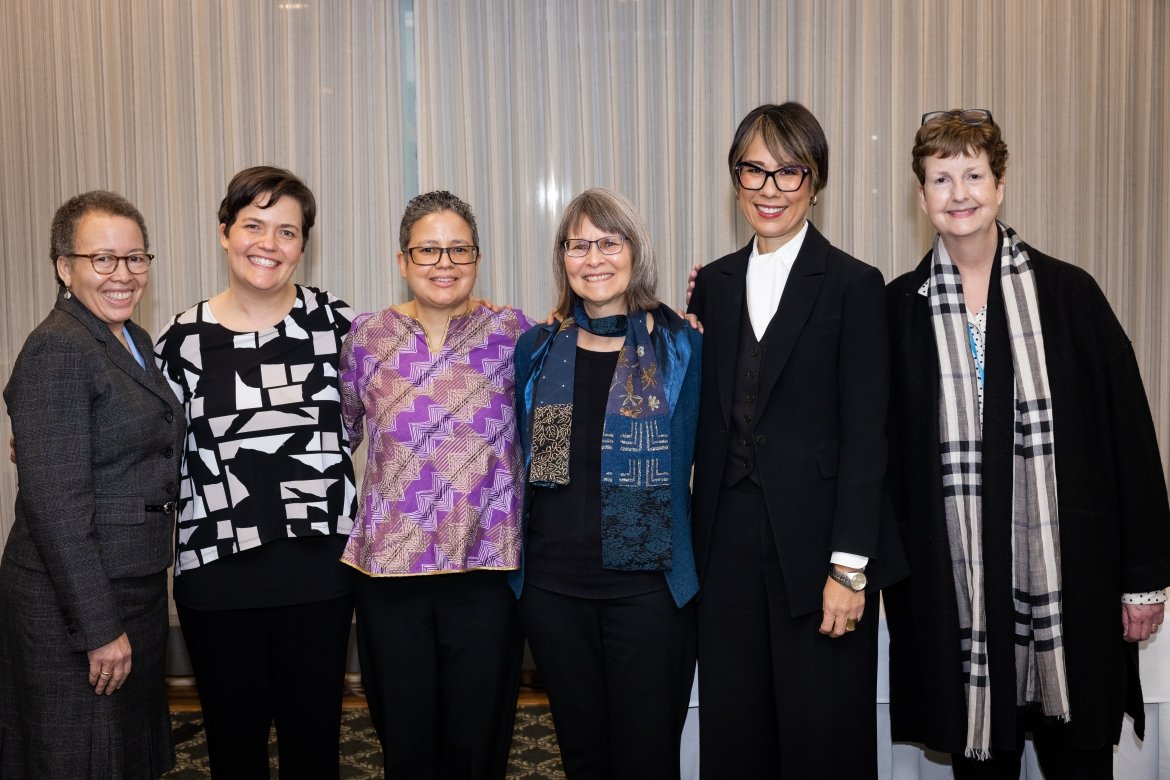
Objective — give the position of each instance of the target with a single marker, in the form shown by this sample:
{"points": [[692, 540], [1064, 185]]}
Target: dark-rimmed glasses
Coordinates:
{"points": [[105, 265], [968, 116], [607, 245], [790, 178], [464, 254]]}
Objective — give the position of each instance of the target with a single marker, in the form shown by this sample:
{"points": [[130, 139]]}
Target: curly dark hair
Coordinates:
{"points": [[63, 231]]}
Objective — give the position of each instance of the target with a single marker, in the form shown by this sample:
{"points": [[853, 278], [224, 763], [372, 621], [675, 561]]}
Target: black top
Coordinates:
{"points": [[277, 574], [563, 548]]}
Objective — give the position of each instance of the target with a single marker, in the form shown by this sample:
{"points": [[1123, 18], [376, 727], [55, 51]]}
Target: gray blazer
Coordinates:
{"points": [[99, 440]]}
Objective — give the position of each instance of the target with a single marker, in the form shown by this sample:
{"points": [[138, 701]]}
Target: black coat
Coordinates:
{"points": [[1113, 515], [820, 428]]}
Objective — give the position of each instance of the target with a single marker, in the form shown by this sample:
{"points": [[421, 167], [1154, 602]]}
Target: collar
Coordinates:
{"points": [[785, 256]]}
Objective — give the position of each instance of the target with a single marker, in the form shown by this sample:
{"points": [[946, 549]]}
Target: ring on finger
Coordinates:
{"points": [[104, 674], [851, 624]]}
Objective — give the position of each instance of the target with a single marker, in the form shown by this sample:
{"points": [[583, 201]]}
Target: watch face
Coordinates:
{"points": [[857, 580]]}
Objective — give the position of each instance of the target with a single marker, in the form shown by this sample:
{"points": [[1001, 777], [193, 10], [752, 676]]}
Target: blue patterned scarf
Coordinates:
{"points": [[635, 440]]}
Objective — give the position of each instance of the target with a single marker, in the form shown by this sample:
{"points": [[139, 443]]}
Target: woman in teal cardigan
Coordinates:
{"points": [[607, 403]]}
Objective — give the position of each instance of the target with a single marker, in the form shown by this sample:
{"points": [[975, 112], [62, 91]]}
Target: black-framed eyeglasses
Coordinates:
{"points": [[607, 245], [968, 116], [105, 265], [790, 178], [464, 254]]}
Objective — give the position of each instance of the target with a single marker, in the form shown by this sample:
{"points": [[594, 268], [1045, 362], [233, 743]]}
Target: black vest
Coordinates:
{"points": [[742, 440]]}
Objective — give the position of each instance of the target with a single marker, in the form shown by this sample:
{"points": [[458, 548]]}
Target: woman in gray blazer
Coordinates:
{"points": [[83, 592]]}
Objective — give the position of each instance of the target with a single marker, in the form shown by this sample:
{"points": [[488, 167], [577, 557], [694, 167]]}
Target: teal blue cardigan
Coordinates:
{"points": [[682, 347]]}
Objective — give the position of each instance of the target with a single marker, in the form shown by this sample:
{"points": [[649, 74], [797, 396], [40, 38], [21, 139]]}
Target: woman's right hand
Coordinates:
{"points": [[109, 665]]}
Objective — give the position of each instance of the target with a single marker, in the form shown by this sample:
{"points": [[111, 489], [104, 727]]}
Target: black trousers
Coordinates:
{"points": [[1057, 760], [618, 674], [441, 658], [776, 698], [256, 666]]}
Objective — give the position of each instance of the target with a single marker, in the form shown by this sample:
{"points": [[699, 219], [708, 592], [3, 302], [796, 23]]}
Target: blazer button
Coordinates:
{"points": [[761, 441], [170, 488], [168, 452], [169, 416]]}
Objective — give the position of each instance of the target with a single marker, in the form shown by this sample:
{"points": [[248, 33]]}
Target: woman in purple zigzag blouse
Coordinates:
{"points": [[433, 380]]}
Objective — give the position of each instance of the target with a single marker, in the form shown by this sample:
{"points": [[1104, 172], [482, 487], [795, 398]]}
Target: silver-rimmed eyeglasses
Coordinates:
{"points": [[464, 254], [790, 178], [968, 116], [105, 265], [607, 245]]}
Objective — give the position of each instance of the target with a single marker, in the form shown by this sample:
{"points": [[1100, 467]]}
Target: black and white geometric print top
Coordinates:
{"points": [[266, 456]]}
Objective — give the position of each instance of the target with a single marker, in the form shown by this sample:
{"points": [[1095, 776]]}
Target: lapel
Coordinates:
{"points": [[796, 304], [122, 359], [727, 297]]}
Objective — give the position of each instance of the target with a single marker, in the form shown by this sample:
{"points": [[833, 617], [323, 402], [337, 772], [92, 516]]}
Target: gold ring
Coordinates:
{"points": [[850, 624], [104, 674]]}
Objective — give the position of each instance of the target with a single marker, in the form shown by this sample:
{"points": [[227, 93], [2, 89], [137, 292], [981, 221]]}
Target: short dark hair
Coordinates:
{"points": [[792, 135], [63, 232], [252, 183], [948, 136], [612, 213], [432, 203]]}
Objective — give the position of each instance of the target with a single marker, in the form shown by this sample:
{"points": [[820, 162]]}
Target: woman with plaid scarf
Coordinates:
{"points": [[1031, 498]]}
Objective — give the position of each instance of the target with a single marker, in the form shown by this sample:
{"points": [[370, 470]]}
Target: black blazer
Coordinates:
{"points": [[820, 430], [98, 440]]}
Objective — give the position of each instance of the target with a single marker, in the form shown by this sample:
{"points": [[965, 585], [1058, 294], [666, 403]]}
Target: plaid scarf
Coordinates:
{"points": [[635, 440], [1039, 662]]}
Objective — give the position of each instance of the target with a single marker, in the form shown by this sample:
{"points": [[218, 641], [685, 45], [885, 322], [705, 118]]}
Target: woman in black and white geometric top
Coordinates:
{"points": [[267, 493]]}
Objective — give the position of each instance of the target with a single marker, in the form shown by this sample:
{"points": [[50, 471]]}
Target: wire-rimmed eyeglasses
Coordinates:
{"points": [[607, 245], [105, 264]]}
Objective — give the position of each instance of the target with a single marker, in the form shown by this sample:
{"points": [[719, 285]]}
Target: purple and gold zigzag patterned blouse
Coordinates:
{"points": [[442, 490]]}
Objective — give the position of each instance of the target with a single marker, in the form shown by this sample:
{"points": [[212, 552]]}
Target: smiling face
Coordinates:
{"points": [[599, 280], [775, 216], [110, 298], [264, 246], [961, 197], [444, 287]]}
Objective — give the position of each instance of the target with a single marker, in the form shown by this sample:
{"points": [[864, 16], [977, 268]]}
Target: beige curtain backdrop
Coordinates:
{"points": [[517, 105]]}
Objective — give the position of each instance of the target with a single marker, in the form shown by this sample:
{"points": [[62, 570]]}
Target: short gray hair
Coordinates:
{"points": [[433, 203], [612, 213]]}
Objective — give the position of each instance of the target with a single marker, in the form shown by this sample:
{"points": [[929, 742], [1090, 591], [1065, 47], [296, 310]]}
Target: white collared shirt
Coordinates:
{"points": [[766, 276]]}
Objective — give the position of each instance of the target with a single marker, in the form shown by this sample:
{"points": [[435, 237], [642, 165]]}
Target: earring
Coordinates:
{"points": [[812, 201], [68, 293]]}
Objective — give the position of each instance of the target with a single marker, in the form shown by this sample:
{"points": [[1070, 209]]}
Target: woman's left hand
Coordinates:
{"points": [[691, 319], [1139, 622], [473, 302], [840, 605], [109, 665]]}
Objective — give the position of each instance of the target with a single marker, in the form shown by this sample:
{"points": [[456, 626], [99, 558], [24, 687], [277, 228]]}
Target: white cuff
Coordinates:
{"points": [[849, 559], [1153, 597]]}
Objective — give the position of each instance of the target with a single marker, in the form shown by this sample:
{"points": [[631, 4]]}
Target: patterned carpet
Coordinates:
{"points": [[534, 747]]}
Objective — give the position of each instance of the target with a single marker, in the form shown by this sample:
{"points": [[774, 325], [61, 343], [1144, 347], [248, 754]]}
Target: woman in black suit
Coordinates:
{"points": [[83, 593], [788, 485]]}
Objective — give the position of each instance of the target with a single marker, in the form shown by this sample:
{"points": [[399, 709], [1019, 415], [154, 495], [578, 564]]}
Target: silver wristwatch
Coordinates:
{"points": [[854, 580]]}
